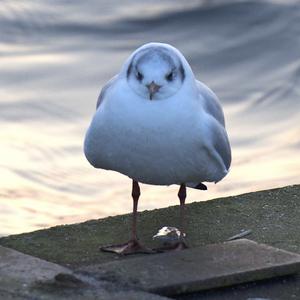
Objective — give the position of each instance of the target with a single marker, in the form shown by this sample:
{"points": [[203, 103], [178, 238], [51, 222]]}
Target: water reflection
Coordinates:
{"points": [[55, 56]]}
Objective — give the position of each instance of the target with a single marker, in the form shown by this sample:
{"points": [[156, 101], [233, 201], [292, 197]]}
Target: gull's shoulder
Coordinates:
{"points": [[105, 89], [211, 102]]}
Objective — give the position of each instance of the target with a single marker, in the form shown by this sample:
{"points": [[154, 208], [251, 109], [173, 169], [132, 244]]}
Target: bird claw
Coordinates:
{"points": [[131, 247]]}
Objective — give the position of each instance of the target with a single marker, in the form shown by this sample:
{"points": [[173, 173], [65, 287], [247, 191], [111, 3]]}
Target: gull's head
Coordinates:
{"points": [[155, 72]]}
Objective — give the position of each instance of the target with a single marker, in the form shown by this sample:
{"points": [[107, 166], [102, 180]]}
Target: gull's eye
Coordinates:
{"points": [[170, 76], [139, 76]]}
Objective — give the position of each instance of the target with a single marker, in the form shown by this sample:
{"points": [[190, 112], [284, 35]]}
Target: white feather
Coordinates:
{"points": [[164, 141]]}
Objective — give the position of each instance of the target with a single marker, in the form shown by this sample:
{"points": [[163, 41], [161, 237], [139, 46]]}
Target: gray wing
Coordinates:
{"points": [[221, 144], [211, 102], [212, 106], [104, 90]]}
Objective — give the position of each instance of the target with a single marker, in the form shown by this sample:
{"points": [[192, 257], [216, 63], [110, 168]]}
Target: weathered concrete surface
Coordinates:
{"points": [[18, 272], [272, 215], [26, 277], [206, 267]]}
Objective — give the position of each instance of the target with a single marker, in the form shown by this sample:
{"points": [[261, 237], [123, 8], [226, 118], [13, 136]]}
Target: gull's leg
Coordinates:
{"points": [[181, 244], [136, 192], [133, 245], [182, 196]]}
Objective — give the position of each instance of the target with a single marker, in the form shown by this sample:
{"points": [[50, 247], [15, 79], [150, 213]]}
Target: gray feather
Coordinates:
{"points": [[104, 90], [213, 108], [221, 145], [211, 103]]}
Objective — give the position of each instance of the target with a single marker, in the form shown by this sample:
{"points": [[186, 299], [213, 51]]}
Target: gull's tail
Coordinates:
{"points": [[198, 186]]}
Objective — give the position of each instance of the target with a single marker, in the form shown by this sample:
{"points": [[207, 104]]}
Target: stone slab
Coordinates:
{"points": [[207, 267], [22, 269], [25, 277]]}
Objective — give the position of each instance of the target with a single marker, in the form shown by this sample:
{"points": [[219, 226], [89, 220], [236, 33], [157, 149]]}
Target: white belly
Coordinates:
{"points": [[152, 142]]}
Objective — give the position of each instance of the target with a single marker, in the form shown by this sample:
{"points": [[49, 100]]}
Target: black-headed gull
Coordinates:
{"points": [[158, 125]]}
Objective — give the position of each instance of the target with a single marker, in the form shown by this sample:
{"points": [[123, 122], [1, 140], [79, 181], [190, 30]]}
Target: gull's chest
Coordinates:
{"points": [[148, 122], [156, 143]]}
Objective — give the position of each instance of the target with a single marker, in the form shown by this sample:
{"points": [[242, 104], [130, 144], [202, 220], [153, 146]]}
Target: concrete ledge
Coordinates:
{"points": [[271, 215], [196, 269], [26, 277]]}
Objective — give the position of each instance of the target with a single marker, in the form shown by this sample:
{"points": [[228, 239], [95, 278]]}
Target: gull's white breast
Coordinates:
{"points": [[158, 142]]}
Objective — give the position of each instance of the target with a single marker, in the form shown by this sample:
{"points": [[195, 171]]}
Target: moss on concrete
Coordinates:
{"points": [[272, 215]]}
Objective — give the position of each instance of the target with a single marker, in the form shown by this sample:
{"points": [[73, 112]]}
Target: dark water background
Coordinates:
{"points": [[56, 55]]}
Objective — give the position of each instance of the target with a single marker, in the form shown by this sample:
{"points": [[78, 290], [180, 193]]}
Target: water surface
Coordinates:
{"points": [[56, 55]]}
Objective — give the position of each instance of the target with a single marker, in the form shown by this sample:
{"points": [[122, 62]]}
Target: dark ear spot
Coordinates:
{"points": [[182, 73], [129, 70]]}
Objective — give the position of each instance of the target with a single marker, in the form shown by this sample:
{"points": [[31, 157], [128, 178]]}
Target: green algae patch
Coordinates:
{"points": [[271, 215]]}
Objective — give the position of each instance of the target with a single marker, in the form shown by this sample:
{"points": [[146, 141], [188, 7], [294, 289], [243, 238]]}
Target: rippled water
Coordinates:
{"points": [[56, 55]]}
